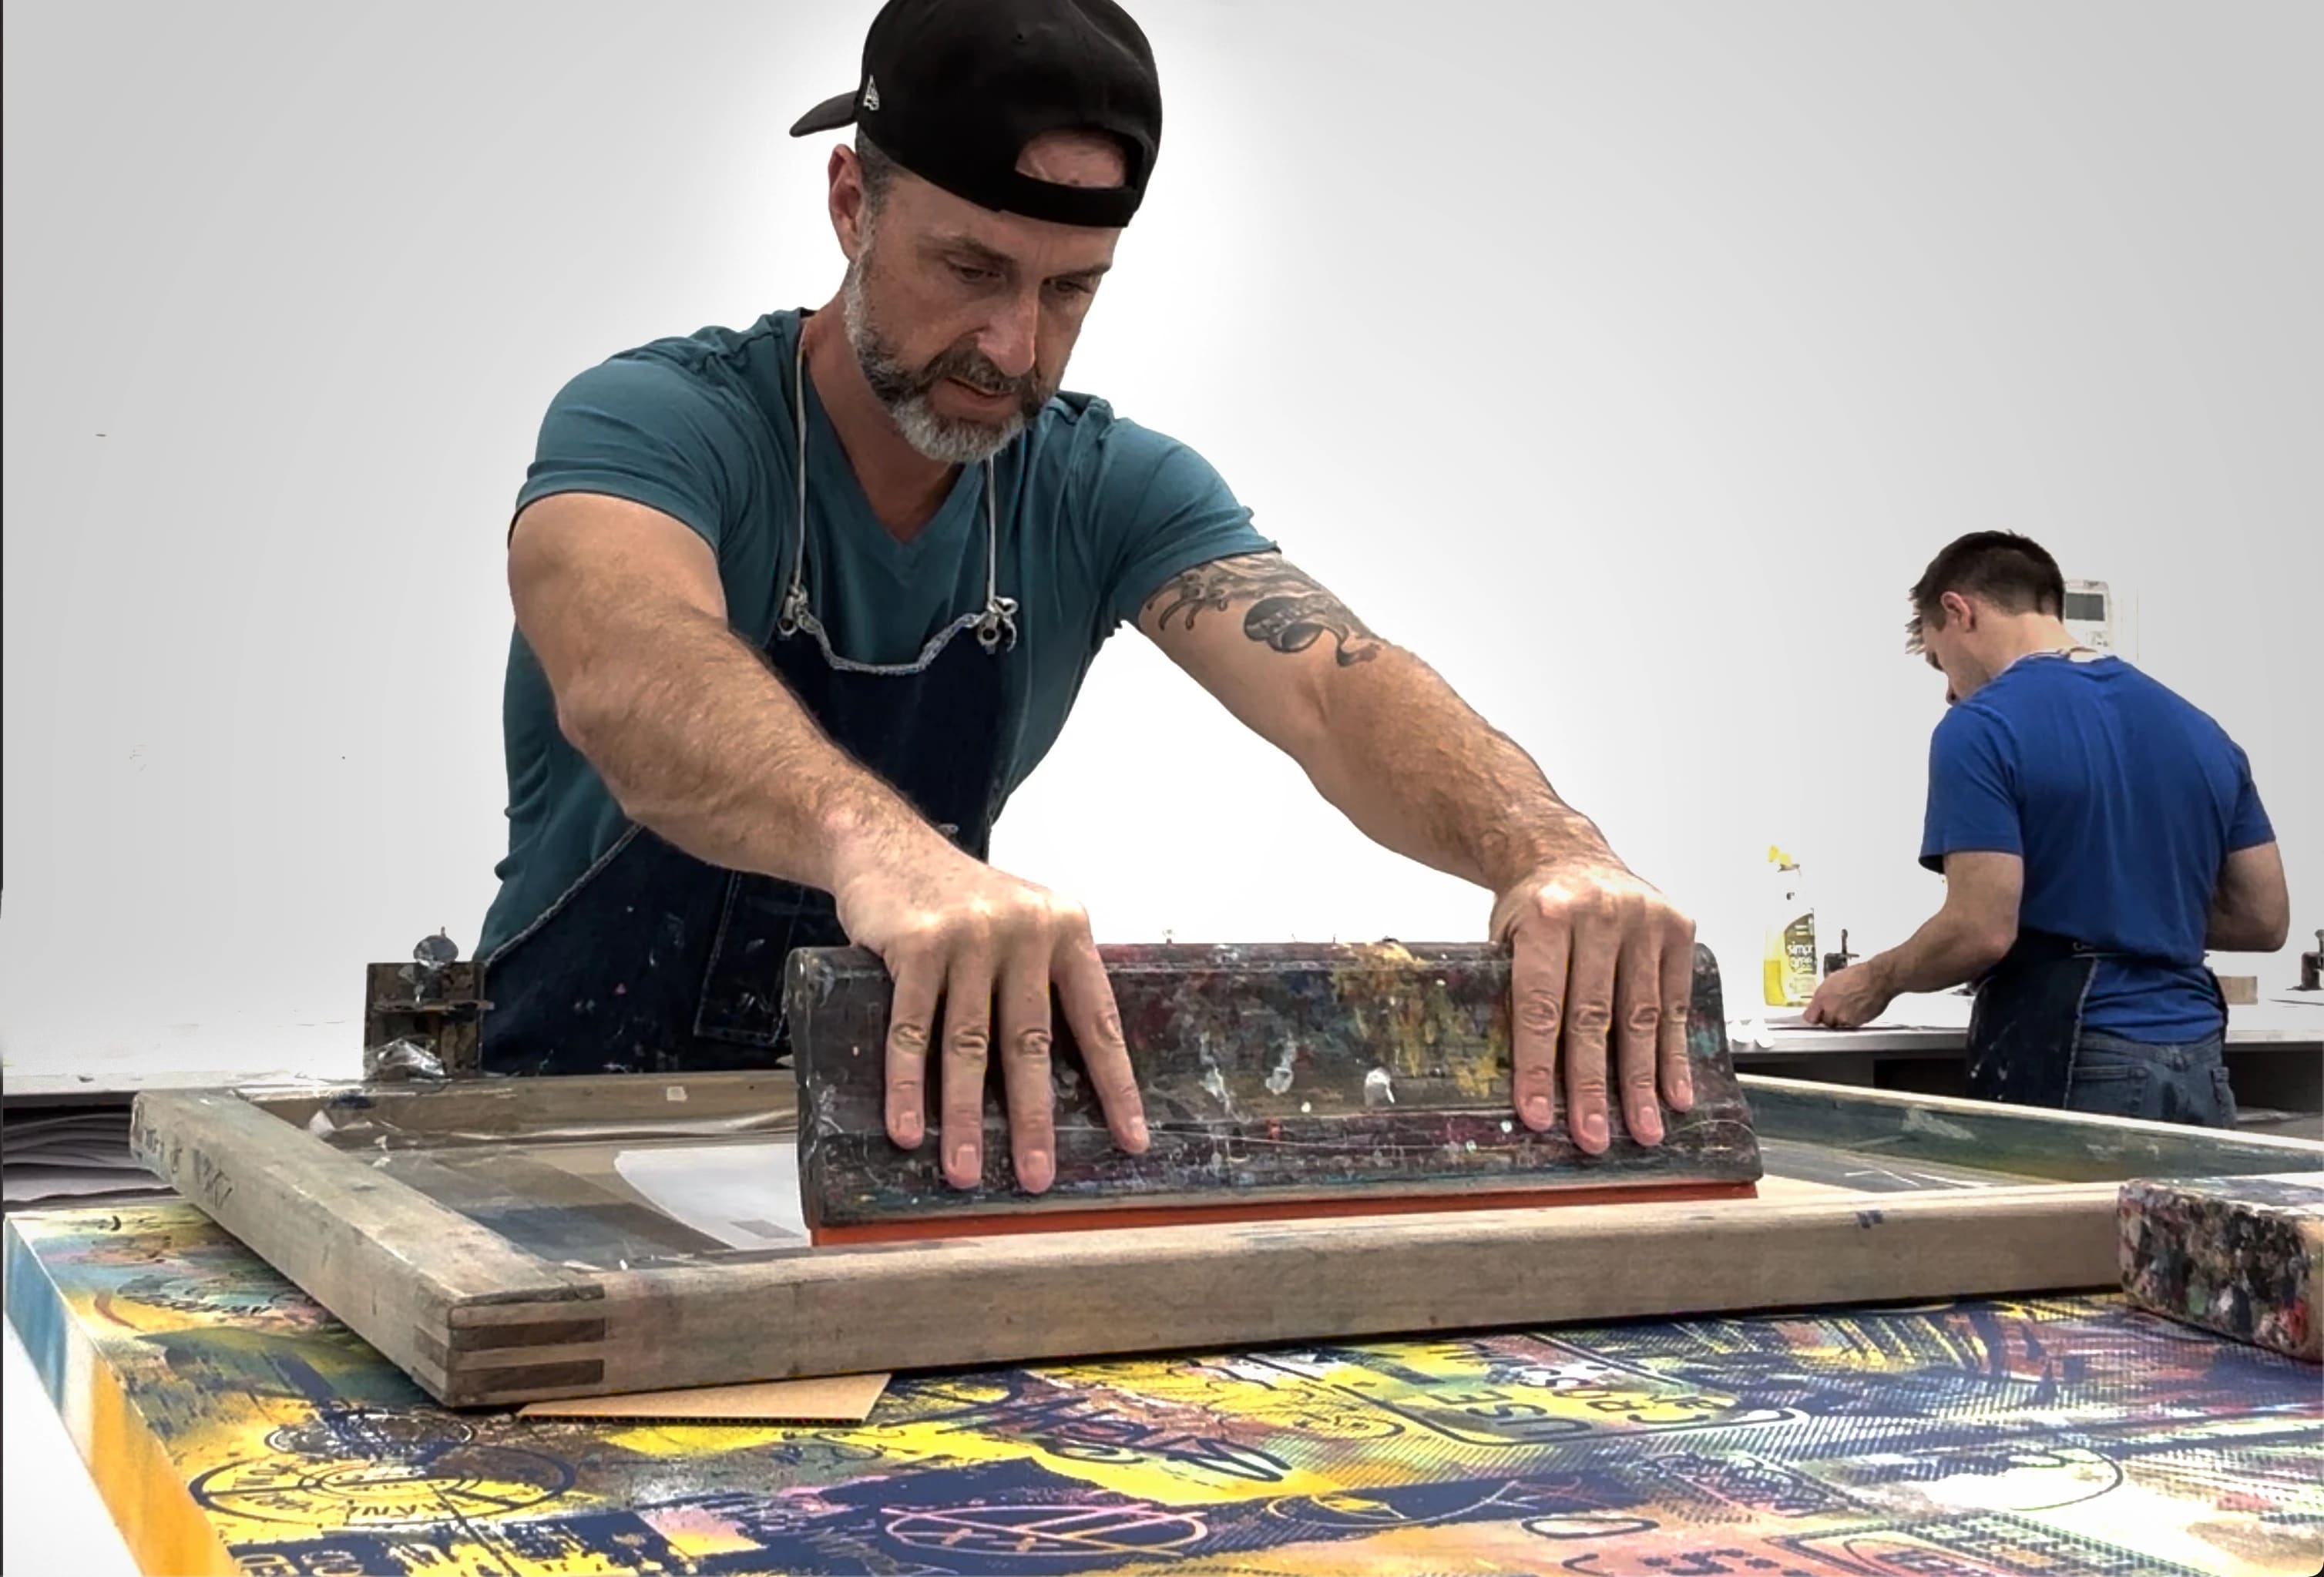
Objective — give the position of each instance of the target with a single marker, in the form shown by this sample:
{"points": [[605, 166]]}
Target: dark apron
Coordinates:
{"points": [[657, 962], [2026, 1027]]}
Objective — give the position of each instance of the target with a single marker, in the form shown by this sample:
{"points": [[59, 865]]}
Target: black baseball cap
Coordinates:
{"points": [[953, 89]]}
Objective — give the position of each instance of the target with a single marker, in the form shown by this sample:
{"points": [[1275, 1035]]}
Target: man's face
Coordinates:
{"points": [[964, 319]]}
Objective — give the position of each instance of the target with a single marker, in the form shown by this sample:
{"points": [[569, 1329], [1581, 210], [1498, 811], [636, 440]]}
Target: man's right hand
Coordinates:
{"points": [[952, 929], [698, 740]]}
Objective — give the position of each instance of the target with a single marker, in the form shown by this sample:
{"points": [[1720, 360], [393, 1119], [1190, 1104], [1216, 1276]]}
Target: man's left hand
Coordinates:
{"points": [[1848, 999], [1600, 955]]}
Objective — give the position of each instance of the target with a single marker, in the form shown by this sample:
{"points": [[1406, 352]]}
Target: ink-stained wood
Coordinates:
{"points": [[541, 1111], [1055, 1296], [1280, 1079], [386, 1259], [2240, 1256], [312, 1183]]}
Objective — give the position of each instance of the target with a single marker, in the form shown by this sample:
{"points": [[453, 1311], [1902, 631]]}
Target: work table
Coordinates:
{"points": [[2274, 1052]]}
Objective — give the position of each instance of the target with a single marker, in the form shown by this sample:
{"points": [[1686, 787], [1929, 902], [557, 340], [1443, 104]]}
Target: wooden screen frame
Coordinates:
{"points": [[476, 1320]]}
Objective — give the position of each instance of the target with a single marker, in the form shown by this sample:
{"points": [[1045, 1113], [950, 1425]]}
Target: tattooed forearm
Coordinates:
{"points": [[1288, 611], [1379, 731]]}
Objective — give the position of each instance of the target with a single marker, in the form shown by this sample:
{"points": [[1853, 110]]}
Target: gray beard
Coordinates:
{"points": [[903, 392]]}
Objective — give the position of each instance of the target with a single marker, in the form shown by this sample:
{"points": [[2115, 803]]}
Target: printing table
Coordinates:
{"points": [[2274, 1052], [234, 1427]]}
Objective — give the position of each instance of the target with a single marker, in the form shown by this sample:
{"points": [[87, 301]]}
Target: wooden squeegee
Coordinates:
{"points": [[1279, 1080]]}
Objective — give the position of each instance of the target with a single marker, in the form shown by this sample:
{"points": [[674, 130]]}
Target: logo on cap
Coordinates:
{"points": [[871, 94]]}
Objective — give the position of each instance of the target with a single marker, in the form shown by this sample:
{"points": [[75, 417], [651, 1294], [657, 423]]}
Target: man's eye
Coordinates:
{"points": [[1070, 287], [969, 274]]}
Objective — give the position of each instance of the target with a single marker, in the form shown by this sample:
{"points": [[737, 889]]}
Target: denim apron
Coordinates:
{"points": [[657, 962], [2026, 1029]]}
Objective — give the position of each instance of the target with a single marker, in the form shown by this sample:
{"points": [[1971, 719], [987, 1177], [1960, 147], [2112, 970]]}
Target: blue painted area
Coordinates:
{"points": [[993, 1519], [37, 1311]]}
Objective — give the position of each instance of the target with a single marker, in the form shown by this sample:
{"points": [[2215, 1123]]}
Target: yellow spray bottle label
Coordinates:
{"points": [[1789, 964]]}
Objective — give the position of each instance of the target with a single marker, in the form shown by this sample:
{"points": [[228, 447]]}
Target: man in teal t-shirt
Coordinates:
{"points": [[1096, 514], [798, 606]]}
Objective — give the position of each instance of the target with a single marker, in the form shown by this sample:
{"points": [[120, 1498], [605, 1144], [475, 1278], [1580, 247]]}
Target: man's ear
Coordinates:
{"points": [[1959, 612], [844, 199]]}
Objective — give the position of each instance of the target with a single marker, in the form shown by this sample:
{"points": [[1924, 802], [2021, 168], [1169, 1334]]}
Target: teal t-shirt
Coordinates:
{"points": [[1095, 513]]}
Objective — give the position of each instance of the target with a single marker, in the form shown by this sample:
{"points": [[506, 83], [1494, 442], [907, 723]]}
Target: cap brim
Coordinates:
{"points": [[827, 116]]}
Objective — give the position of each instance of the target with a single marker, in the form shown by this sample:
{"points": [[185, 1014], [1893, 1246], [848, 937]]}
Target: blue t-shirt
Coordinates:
{"points": [[1095, 514], [2123, 801]]}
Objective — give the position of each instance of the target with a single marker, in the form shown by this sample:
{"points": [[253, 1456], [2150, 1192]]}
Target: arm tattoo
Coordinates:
{"points": [[1288, 611]]}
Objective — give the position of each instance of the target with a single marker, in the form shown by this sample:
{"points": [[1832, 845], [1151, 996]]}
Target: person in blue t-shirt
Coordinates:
{"points": [[799, 606], [2097, 833]]}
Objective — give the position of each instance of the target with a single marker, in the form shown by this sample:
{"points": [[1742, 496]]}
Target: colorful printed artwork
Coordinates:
{"points": [[236, 1428]]}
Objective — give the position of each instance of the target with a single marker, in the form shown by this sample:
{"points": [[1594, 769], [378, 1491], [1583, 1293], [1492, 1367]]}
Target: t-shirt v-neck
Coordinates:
{"points": [[837, 505]]}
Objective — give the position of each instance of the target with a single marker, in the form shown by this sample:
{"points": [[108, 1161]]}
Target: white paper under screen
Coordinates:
{"points": [[745, 1195]]}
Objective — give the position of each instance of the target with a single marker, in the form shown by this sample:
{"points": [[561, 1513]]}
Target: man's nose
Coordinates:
{"points": [[1011, 341]]}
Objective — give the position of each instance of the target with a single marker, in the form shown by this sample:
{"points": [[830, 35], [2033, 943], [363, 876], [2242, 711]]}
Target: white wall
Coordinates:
{"points": [[1627, 360]]}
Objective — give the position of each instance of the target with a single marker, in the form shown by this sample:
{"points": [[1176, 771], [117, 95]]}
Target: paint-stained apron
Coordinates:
{"points": [[657, 962], [2025, 1030]]}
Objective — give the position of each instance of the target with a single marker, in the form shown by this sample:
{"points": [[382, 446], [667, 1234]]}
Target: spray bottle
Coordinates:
{"points": [[1790, 963]]}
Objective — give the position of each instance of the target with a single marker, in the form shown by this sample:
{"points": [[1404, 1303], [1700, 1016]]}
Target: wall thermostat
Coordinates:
{"points": [[2089, 615]]}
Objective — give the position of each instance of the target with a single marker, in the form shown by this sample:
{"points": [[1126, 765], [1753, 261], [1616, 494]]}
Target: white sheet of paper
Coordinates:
{"points": [[75, 1139], [30, 1185], [745, 1195]]}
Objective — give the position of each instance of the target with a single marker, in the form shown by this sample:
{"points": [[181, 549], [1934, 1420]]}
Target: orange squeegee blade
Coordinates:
{"points": [[932, 1228]]}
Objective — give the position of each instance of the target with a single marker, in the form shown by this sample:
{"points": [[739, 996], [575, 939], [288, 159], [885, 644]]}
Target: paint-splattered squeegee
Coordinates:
{"points": [[1280, 1080]]}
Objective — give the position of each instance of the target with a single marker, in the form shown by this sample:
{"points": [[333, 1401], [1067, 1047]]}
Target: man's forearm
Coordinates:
{"points": [[1947, 951], [707, 747], [1418, 771]]}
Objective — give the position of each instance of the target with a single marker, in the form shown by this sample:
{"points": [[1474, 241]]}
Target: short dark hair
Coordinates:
{"points": [[2016, 574], [879, 172]]}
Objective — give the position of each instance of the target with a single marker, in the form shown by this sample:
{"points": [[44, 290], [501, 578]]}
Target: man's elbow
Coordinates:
{"points": [[584, 716], [2275, 928], [2262, 923], [1989, 940], [593, 722]]}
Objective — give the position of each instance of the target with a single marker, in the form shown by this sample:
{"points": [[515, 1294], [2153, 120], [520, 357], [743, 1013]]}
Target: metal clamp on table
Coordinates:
{"points": [[423, 1020]]}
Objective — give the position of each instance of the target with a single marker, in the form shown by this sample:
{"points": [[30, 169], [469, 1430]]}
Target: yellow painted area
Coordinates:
{"points": [[1144, 1470], [1410, 1021], [1141, 1470], [164, 1529], [1461, 1398]]}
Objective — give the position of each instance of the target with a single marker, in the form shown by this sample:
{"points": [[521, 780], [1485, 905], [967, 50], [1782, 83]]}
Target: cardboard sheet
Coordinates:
{"points": [[846, 1399]]}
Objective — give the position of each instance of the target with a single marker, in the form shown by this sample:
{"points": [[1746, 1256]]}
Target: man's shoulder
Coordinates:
{"points": [[1081, 439], [718, 345], [2108, 682], [2156, 703], [1075, 426], [2040, 684], [1983, 715], [715, 364]]}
